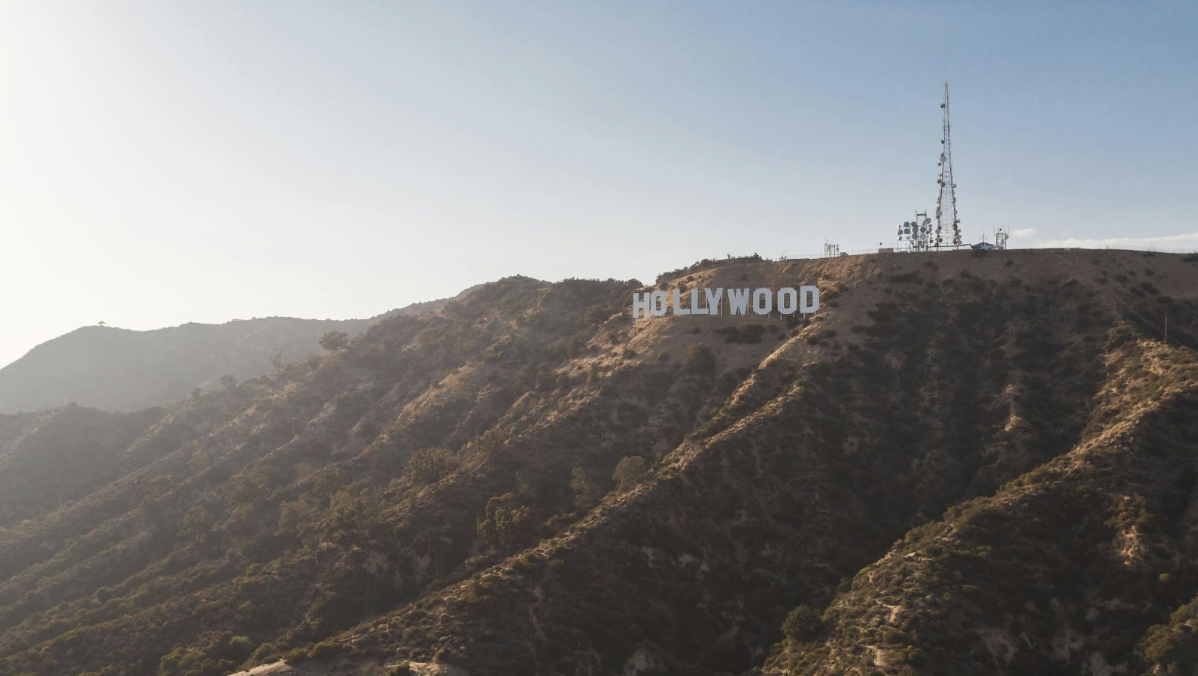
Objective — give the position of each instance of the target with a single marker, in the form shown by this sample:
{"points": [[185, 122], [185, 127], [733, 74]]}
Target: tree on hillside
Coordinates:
{"points": [[278, 360], [428, 466], [506, 523], [334, 340], [629, 472], [585, 488], [700, 360], [802, 624]]}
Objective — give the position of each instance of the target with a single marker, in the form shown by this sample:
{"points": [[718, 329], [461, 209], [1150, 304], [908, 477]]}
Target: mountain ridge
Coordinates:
{"points": [[126, 370]]}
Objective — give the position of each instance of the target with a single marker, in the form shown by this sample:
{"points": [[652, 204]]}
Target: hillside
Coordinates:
{"points": [[121, 370], [964, 463]]}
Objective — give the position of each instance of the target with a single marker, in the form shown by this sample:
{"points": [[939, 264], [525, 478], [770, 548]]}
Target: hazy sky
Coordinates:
{"points": [[202, 161]]}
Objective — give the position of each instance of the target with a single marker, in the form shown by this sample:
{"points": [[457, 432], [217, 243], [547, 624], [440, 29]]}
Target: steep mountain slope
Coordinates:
{"points": [[528, 482], [1066, 570], [52, 458], [122, 370], [957, 385]]}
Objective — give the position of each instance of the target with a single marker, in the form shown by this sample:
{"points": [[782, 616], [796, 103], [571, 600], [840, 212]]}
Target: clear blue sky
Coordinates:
{"points": [[203, 161]]}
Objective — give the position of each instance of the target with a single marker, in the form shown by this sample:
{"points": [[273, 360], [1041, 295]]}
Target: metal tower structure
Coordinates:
{"points": [[948, 225], [916, 234], [1000, 238]]}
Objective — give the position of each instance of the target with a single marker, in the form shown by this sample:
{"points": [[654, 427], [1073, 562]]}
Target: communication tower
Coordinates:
{"points": [[831, 250], [917, 234], [1000, 238], [948, 224]]}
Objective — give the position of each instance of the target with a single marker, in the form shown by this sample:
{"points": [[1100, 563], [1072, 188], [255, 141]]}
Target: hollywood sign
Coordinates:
{"points": [[787, 301]]}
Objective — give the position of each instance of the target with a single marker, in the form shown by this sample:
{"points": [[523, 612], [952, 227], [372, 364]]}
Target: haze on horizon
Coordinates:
{"points": [[161, 164]]}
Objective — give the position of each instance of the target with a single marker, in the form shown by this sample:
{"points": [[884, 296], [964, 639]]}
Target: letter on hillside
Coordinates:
{"points": [[640, 304], [738, 301], [657, 303], [808, 299], [788, 300], [804, 299], [763, 301], [678, 309], [713, 300]]}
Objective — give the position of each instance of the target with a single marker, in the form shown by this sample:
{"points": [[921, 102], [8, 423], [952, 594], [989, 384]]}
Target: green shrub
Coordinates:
{"points": [[327, 650], [334, 340], [430, 466], [743, 335], [629, 472], [242, 644], [802, 624], [506, 523], [584, 486], [699, 360]]}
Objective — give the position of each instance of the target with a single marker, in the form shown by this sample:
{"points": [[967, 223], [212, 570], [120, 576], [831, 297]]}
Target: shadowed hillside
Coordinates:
{"points": [[963, 463], [122, 370]]}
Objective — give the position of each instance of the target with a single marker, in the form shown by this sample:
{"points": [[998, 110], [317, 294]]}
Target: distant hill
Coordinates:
{"points": [[964, 463], [121, 370]]}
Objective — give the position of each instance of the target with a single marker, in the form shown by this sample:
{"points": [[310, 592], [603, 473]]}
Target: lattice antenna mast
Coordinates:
{"points": [[948, 225]]}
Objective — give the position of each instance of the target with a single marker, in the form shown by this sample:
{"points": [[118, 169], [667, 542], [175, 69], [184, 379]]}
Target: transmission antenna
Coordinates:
{"points": [[948, 225]]}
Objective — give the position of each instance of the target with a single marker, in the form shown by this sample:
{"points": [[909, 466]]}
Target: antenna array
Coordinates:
{"points": [[948, 224]]}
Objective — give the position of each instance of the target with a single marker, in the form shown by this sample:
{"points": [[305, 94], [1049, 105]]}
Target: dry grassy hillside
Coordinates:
{"points": [[962, 464]]}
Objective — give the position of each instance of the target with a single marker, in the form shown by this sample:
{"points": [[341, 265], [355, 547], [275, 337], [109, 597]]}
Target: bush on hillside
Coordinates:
{"points": [[506, 524], [700, 360], [743, 335], [334, 340], [430, 465], [802, 624], [629, 472], [585, 488]]}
